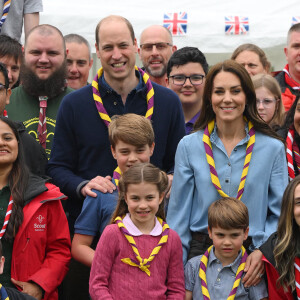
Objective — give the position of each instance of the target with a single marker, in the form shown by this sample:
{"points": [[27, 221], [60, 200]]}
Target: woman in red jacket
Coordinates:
{"points": [[35, 233], [282, 249]]}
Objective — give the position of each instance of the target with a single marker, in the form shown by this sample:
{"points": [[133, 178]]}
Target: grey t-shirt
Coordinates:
{"points": [[14, 21]]}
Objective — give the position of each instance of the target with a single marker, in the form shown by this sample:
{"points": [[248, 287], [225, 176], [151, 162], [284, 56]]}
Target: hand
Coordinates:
{"points": [[254, 269], [99, 183], [170, 177], [29, 288]]}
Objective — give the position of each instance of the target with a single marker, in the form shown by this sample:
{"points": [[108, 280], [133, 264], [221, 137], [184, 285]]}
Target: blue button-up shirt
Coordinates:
{"points": [[220, 280], [193, 192]]}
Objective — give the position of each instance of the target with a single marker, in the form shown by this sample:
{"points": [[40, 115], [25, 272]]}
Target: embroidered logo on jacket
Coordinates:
{"points": [[39, 226]]}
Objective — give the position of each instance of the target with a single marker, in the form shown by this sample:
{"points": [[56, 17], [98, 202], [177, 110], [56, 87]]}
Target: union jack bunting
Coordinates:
{"points": [[295, 20], [176, 23], [236, 25]]}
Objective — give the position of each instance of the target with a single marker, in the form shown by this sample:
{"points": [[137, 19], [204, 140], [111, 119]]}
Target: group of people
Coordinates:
{"points": [[170, 181]]}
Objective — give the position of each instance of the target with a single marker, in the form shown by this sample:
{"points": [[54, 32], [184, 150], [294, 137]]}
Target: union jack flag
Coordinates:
{"points": [[295, 20], [176, 23], [236, 25]]}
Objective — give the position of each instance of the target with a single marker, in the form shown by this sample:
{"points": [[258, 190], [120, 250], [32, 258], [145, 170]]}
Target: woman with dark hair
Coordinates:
{"points": [[234, 153], [35, 234]]}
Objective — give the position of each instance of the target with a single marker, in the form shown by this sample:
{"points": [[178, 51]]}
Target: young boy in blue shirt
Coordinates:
{"points": [[132, 141], [215, 273]]}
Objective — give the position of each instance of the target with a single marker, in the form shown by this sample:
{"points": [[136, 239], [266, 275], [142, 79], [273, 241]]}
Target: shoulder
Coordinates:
{"points": [[192, 140], [75, 97], [111, 230], [267, 141], [106, 199], [194, 263]]}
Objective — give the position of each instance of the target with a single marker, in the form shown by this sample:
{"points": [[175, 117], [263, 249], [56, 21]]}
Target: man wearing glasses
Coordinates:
{"points": [[186, 73], [156, 48]]}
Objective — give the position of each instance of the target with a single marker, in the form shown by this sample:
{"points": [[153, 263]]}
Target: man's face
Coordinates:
{"points": [[292, 53], [12, 67], [116, 50], [155, 58], [78, 64], [44, 54], [4, 94]]}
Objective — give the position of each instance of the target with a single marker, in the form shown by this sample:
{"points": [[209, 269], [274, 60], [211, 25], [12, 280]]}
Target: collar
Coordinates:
{"points": [[234, 265], [194, 118], [133, 230]]}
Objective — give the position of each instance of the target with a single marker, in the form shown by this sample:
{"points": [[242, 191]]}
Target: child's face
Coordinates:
{"points": [[128, 155], [227, 243], [297, 204], [143, 201]]}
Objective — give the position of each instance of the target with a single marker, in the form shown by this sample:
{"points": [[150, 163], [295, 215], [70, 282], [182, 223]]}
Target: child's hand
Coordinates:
{"points": [[254, 269], [29, 288]]}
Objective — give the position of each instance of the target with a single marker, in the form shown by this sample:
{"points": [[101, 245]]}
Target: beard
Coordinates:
{"points": [[50, 87]]}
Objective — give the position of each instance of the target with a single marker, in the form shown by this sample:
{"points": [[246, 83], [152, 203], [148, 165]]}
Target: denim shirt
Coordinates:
{"points": [[193, 192]]}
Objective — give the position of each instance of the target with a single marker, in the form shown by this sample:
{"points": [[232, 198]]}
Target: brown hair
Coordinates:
{"points": [[131, 129], [228, 213], [271, 84], [253, 48], [250, 111], [114, 17], [138, 173]]}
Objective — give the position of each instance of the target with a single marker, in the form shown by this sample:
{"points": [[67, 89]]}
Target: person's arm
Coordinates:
{"points": [[81, 249], [188, 295], [175, 280], [180, 204], [31, 20], [102, 265]]}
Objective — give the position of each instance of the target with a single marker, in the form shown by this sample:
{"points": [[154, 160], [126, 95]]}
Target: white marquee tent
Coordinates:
{"points": [[268, 22]]}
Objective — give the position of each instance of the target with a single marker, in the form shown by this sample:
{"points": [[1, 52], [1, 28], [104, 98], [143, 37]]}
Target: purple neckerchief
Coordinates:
{"points": [[133, 230], [190, 124]]}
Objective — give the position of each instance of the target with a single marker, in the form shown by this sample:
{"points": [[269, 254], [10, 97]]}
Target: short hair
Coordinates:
{"points": [[45, 30], [3, 70], [131, 129], [271, 84], [294, 28], [77, 39], [120, 18], [11, 48], [228, 213], [253, 48], [186, 55]]}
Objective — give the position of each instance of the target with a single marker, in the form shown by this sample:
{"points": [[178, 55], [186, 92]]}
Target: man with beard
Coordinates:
{"points": [[156, 48], [43, 77]]}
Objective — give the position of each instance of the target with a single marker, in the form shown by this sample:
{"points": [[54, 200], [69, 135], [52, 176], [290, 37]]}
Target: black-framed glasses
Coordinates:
{"points": [[195, 79], [265, 102], [159, 46], [2, 87]]}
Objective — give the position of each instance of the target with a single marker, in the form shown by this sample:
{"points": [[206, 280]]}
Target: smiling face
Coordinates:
{"points": [[292, 53], [116, 50], [143, 201], [227, 243], [44, 53], [128, 155], [228, 98], [13, 69]]}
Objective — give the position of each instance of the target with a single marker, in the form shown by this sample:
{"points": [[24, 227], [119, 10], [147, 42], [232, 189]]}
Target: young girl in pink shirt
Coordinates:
{"points": [[139, 256]]}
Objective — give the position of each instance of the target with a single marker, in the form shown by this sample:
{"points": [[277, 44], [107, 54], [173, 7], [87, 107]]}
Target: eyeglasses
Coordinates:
{"points": [[159, 46], [2, 87], [195, 79], [265, 102]]}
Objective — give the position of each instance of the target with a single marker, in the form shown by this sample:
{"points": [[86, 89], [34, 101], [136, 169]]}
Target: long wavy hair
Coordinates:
{"points": [[288, 237], [17, 181], [138, 173], [250, 112]]}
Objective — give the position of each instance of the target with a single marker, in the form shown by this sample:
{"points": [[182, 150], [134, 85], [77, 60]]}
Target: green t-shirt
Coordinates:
{"points": [[25, 108]]}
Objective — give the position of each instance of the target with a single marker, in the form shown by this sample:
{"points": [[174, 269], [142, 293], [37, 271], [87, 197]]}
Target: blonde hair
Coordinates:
{"points": [[228, 213], [138, 173], [131, 129], [271, 84]]}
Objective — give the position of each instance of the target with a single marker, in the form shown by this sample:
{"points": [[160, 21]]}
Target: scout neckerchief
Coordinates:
{"points": [[289, 80], [141, 263], [210, 158], [42, 126], [117, 175], [103, 113], [7, 216], [297, 276], [6, 7], [3, 293], [292, 150], [238, 275]]}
